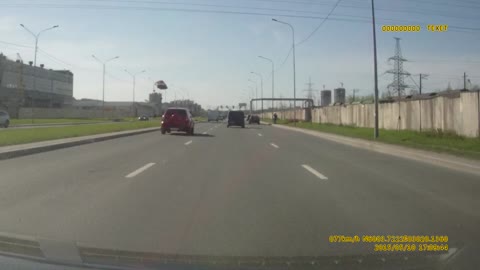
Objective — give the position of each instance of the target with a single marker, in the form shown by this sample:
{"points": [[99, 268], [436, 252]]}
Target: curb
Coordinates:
{"points": [[433, 158], [75, 141]]}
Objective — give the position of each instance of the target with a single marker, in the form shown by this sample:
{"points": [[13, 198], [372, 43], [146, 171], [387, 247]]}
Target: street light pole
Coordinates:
{"points": [[375, 131], [103, 87], [256, 91], [273, 80], [294, 75], [133, 100], [36, 36], [261, 86]]}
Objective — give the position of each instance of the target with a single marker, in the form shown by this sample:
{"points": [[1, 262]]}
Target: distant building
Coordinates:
{"points": [[325, 97], [23, 85], [139, 108], [339, 95]]}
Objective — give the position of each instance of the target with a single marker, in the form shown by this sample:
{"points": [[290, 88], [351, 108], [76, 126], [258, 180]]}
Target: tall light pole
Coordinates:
{"points": [[256, 90], [375, 131], [36, 36], [273, 79], [294, 82], [133, 76], [261, 86], [103, 87]]}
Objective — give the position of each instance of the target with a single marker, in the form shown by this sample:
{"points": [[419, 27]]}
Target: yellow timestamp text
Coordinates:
{"points": [[401, 28], [437, 27], [410, 247]]}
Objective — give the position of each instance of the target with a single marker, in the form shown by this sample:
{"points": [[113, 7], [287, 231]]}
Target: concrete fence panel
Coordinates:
{"points": [[470, 113], [459, 114]]}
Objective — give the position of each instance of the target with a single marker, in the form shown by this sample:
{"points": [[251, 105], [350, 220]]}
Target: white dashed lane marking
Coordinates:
{"points": [[189, 142], [314, 172], [140, 170], [274, 145]]}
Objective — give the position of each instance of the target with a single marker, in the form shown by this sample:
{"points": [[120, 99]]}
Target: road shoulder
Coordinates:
{"points": [[443, 160]]}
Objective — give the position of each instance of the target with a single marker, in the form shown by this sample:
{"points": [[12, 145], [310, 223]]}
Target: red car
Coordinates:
{"points": [[177, 119]]}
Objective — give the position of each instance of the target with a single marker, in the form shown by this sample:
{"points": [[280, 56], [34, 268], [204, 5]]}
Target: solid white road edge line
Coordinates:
{"points": [[140, 170], [274, 145], [189, 142], [314, 172]]}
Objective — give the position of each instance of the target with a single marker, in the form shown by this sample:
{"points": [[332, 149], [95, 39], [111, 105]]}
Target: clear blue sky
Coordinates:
{"points": [[209, 55]]}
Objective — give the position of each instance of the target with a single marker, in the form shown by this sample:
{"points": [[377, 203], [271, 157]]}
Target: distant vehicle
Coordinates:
{"points": [[178, 119], [222, 115], [143, 118], [236, 118], [254, 119], [4, 119], [213, 116]]}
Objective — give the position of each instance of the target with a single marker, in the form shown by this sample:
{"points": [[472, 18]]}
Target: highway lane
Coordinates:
{"points": [[232, 191]]}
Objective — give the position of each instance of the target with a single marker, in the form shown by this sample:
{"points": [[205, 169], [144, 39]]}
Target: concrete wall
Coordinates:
{"points": [[457, 114]]}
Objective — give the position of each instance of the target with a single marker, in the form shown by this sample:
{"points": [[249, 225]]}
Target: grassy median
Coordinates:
{"points": [[55, 121], [29, 135], [199, 119], [438, 141]]}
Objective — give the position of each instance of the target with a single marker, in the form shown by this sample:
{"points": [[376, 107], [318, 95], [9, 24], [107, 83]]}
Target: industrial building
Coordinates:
{"points": [[24, 85], [119, 107], [325, 97], [339, 96], [151, 108]]}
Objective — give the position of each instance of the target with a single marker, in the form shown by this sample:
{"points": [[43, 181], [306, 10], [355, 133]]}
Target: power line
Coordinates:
{"points": [[311, 34], [81, 6], [444, 61], [320, 25], [116, 78], [202, 5], [55, 58], [14, 44], [410, 76], [112, 7]]}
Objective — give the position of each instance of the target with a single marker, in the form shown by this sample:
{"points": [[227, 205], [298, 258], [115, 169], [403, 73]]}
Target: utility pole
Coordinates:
{"points": [[103, 80], [421, 76], [375, 132], [134, 75], [464, 81], [294, 71], [353, 92]]}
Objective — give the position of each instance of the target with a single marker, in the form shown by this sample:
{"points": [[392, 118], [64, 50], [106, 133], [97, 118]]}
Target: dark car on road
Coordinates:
{"points": [[236, 118], [254, 119], [178, 119], [143, 118]]}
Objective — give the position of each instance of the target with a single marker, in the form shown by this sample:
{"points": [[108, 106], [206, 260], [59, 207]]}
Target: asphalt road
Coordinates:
{"points": [[258, 191]]}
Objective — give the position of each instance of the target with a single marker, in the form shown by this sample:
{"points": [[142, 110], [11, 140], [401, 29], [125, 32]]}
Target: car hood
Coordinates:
{"points": [[42, 251]]}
